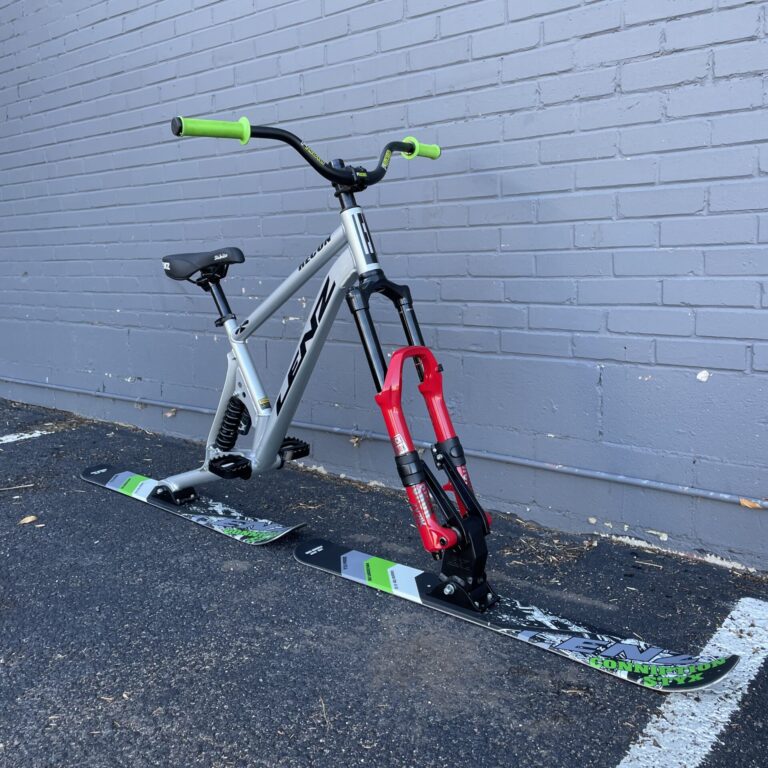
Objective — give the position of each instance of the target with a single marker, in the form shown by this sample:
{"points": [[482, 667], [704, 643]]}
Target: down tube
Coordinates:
{"points": [[313, 336]]}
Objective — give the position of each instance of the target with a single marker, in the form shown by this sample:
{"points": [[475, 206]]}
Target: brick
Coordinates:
{"points": [[759, 361], [583, 85], [664, 71], [664, 137], [502, 212], [439, 54], [436, 110], [657, 322], [526, 181], [721, 97], [737, 129], [710, 28], [661, 201], [736, 261], [501, 265], [504, 316], [577, 207], [639, 13], [541, 122], [470, 339], [296, 13], [581, 22], [475, 185], [616, 47], [613, 234], [547, 291], [464, 77], [702, 354], [415, 32], [509, 155], [741, 59], [517, 10], [505, 38], [619, 291], [374, 15], [544, 61], [565, 318], [617, 173], [716, 293], [625, 110], [504, 99], [375, 68], [471, 16], [734, 324], [430, 6], [709, 164], [355, 47], [710, 230], [471, 239], [740, 196], [573, 264], [473, 289], [622, 348], [530, 343], [537, 237], [481, 130], [579, 146], [438, 216]]}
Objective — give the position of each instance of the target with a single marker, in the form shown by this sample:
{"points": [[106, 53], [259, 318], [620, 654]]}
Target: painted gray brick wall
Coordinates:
{"points": [[589, 255]]}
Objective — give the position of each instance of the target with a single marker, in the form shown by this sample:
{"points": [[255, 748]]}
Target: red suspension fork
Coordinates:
{"points": [[434, 535]]}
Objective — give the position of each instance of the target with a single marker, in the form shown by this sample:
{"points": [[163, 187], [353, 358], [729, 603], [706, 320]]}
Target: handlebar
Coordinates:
{"points": [[356, 178]]}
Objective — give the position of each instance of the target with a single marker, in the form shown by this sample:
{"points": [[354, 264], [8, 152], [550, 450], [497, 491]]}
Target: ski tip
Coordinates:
{"points": [[700, 678], [89, 473]]}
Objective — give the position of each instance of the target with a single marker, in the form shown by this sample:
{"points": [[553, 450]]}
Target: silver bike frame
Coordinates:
{"points": [[352, 247]]}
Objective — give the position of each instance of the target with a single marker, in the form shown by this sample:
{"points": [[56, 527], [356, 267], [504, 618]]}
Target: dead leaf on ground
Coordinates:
{"points": [[28, 519]]}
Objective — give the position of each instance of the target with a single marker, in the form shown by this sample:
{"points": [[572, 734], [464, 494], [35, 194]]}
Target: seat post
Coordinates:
{"points": [[222, 305]]}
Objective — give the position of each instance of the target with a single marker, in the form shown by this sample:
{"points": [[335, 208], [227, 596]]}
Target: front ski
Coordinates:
{"points": [[210, 514], [637, 662]]}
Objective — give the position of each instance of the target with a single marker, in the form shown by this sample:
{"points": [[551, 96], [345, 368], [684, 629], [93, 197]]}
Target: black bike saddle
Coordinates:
{"points": [[182, 266]]}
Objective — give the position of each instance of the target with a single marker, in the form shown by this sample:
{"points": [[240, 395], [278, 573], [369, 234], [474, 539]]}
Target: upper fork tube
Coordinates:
{"points": [[358, 305], [412, 329]]}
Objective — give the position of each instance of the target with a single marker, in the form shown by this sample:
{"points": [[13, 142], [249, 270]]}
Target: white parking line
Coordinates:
{"points": [[686, 727], [24, 436], [49, 428]]}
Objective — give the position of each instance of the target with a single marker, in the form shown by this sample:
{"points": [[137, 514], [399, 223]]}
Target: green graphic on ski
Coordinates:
{"points": [[206, 512], [637, 662]]}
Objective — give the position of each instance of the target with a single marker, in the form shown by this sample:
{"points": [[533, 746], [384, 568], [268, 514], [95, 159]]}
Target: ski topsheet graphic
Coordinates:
{"points": [[206, 512], [630, 659]]}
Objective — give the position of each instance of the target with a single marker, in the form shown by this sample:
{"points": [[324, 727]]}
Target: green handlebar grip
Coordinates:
{"points": [[432, 151], [215, 129]]}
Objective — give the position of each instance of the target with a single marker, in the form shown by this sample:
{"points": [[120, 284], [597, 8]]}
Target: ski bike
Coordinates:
{"points": [[451, 522]]}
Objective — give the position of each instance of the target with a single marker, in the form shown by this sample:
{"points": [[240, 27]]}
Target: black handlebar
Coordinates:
{"points": [[352, 178]]}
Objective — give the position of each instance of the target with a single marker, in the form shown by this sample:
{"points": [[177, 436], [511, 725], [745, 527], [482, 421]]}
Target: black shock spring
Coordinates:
{"points": [[227, 437]]}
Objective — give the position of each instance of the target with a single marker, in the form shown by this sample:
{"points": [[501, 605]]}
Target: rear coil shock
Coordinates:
{"points": [[227, 437]]}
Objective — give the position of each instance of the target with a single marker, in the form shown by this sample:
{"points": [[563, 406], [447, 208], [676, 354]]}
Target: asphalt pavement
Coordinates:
{"points": [[131, 637]]}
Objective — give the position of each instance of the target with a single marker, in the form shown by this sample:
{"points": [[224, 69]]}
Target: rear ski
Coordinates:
{"points": [[214, 515], [637, 662]]}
